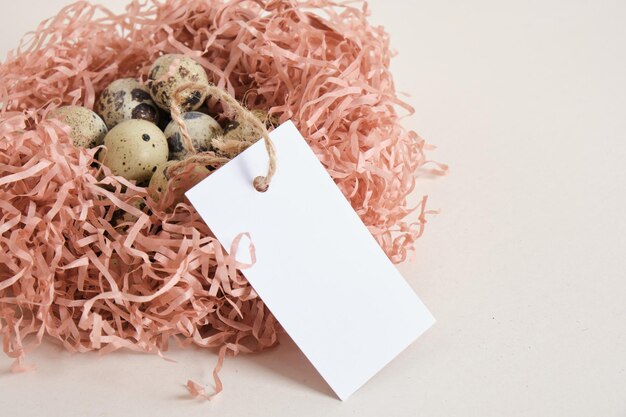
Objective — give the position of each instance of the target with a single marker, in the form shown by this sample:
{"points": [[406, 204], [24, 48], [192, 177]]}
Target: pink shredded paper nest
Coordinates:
{"points": [[69, 273]]}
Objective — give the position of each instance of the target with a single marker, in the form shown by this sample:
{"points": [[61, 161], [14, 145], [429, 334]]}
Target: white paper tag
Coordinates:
{"points": [[318, 268]]}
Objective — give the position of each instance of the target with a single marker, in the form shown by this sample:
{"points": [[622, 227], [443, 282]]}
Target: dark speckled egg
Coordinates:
{"points": [[88, 129], [172, 71], [236, 130], [202, 129], [126, 99], [159, 182], [134, 149]]}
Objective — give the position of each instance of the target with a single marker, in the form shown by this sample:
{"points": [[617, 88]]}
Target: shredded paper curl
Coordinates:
{"points": [[90, 260]]}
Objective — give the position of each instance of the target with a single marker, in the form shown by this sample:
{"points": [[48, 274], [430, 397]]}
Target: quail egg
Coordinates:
{"points": [[88, 129], [160, 179], [171, 71], [202, 130], [134, 149], [237, 130], [158, 182], [126, 99]]}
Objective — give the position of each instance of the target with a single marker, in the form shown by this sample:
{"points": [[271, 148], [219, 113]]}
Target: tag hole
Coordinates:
{"points": [[260, 184]]}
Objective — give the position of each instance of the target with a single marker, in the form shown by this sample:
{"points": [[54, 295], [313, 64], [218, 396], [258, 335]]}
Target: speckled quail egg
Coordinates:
{"points": [[171, 71], [126, 99], [202, 130], [265, 117], [88, 129], [158, 182], [239, 131], [134, 149], [160, 179]]}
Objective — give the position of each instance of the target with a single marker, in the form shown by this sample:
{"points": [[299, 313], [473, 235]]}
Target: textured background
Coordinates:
{"points": [[525, 267]]}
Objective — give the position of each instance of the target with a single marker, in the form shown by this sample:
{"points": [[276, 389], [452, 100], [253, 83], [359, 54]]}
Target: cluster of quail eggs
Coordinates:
{"points": [[127, 117]]}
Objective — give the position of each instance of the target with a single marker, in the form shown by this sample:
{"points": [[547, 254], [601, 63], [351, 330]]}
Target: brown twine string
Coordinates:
{"points": [[200, 158], [261, 183]]}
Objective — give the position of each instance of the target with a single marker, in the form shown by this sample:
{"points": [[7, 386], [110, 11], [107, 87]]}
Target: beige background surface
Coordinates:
{"points": [[524, 269]]}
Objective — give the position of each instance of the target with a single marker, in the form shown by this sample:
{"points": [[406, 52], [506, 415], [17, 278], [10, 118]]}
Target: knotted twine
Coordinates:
{"points": [[231, 148]]}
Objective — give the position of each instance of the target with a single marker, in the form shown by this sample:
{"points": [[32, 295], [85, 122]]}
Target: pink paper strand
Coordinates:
{"points": [[70, 272]]}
